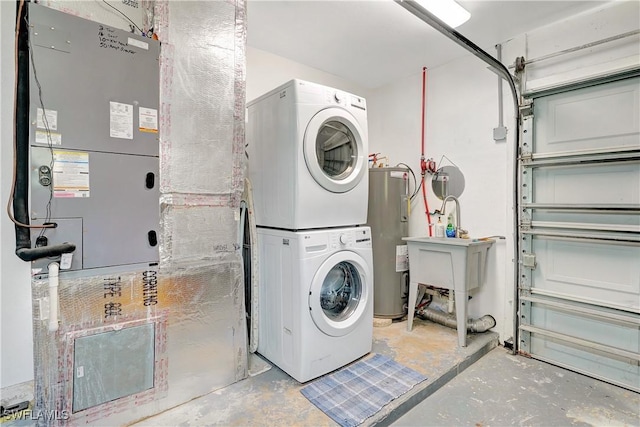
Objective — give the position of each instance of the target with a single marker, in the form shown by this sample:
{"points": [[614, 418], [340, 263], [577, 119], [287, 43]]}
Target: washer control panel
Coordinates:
{"points": [[349, 238]]}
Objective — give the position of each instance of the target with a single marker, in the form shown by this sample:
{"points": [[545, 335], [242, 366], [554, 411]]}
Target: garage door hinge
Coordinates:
{"points": [[529, 260], [526, 156], [526, 108]]}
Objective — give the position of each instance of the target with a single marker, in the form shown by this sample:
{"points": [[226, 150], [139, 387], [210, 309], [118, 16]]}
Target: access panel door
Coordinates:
{"points": [[579, 230]]}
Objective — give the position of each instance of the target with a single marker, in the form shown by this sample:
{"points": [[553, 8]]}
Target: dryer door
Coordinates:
{"points": [[339, 293], [334, 150]]}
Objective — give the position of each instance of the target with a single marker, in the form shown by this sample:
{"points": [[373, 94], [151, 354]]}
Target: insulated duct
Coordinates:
{"points": [[420, 12], [483, 324]]}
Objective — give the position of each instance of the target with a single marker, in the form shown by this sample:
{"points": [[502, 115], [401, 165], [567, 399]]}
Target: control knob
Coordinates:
{"points": [[343, 239]]}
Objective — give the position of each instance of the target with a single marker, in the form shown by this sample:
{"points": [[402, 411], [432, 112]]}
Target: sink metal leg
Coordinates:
{"points": [[461, 316], [411, 304]]}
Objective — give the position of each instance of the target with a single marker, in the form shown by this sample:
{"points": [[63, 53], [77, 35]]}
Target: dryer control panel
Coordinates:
{"points": [[345, 99]]}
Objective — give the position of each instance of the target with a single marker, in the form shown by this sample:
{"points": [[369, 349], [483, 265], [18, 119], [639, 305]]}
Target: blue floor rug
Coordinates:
{"points": [[356, 392]]}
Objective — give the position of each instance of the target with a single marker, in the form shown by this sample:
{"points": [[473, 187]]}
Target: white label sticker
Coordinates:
{"points": [[120, 120], [148, 120], [80, 371], [397, 174], [49, 120], [138, 43], [42, 138], [65, 261], [70, 174], [402, 258]]}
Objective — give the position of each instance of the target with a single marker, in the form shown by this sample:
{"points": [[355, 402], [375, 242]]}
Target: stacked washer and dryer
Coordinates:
{"points": [[307, 147]]}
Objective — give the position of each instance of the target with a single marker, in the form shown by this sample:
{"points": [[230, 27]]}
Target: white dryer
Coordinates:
{"points": [[316, 299], [307, 147]]}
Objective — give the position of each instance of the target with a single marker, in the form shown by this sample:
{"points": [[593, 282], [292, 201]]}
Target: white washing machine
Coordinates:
{"points": [[308, 160], [316, 299]]}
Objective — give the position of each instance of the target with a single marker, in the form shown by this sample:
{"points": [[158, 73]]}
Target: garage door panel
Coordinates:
{"points": [[579, 230], [614, 334], [592, 184], [615, 370], [606, 273], [587, 220], [600, 118]]}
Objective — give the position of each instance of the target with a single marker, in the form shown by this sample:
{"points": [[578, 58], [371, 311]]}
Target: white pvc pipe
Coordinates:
{"points": [[54, 268]]}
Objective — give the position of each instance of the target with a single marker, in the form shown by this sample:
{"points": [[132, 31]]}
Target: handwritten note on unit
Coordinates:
{"points": [[108, 39]]}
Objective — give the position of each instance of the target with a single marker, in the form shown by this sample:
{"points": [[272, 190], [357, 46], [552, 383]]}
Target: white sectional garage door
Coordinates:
{"points": [[579, 216]]}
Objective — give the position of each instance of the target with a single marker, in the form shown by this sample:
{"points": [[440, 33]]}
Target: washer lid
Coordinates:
{"points": [[334, 150], [339, 293]]}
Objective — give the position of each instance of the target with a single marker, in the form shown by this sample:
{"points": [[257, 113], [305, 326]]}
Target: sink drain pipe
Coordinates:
{"points": [[483, 324], [420, 12]]}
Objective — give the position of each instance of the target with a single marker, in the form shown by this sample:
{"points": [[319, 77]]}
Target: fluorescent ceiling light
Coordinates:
{"points": [[448, 11]]}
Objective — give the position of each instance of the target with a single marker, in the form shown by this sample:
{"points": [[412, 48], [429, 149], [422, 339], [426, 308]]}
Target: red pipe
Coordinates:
{"points": [[423, 163]]}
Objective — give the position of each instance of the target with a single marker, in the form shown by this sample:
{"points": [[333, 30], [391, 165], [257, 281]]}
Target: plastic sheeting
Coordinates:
{"points": [[192, 304]]}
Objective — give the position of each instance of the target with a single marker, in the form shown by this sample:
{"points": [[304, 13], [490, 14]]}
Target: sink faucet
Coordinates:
{"points": [[459, 229]]}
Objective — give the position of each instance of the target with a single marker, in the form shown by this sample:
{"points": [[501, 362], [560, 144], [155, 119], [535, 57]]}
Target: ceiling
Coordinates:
{"points": [[373, 42]]}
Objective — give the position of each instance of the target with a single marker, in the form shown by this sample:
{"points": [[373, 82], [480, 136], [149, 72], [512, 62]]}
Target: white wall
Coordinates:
{"points": [[461, 112], [266, 71]]}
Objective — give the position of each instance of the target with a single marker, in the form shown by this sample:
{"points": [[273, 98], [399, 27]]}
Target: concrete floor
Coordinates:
{"points": [[504, 390], [495, 389], [274, 399]]}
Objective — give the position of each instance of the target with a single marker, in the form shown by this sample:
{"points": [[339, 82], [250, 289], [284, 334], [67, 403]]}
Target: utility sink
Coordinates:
{"points": [[448, 263]]}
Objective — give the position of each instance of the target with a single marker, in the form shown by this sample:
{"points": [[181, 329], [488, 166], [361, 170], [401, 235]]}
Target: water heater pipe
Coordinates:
{"points": [[483, 324], [54, 268], [421, 13], [423, 163]]}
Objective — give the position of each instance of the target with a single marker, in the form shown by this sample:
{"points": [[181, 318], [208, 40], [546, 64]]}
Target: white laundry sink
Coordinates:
{"points": [[448, 263]]}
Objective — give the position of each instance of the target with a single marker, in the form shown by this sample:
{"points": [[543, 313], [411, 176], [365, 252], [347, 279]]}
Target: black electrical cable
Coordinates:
{"points": [[416, 187], [121, 13], [47, 129], [20, 115]]}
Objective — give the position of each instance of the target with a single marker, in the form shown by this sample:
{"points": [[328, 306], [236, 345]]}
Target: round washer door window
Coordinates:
{"points": [[339, 293], [334, 150]]}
